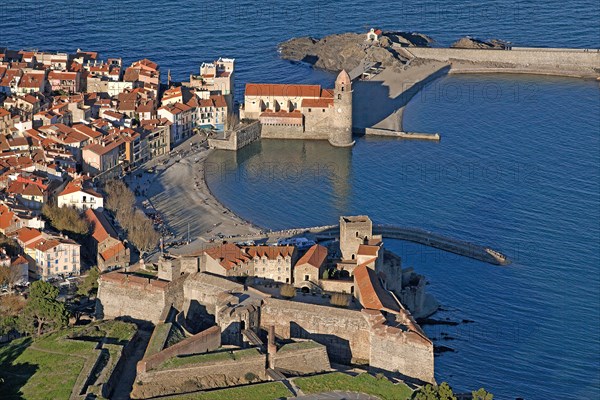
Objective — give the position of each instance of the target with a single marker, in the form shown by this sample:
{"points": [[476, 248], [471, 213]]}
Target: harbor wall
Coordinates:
{"points": [[402, 135], [560, 59]]}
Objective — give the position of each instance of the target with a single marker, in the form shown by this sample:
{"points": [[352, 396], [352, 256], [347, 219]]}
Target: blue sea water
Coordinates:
{"points": [[517, 167]]}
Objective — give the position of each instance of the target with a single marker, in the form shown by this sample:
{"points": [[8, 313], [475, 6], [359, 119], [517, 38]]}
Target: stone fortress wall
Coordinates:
{"points": [[132, 296]]}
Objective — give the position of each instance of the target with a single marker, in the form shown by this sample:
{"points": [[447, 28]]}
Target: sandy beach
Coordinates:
{"points": [[177, 191]]}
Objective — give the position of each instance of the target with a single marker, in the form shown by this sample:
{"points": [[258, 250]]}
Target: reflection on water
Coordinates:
{"points": [[306, 166]]}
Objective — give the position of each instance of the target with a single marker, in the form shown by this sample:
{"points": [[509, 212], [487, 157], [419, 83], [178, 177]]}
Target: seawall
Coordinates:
{"points": [[531, 60]]}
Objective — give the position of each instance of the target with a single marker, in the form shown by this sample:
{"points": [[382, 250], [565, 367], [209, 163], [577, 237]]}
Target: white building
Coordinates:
{"points": [[77, 195]]}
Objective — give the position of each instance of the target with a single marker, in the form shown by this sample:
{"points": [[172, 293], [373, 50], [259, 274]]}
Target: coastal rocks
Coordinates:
{"points": [[348, 50], [468, 42], [334, 52], [409, 39]]}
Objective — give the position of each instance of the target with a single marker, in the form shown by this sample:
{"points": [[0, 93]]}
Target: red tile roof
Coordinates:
{"points": [[317, 103], [102, 229], [271, 252], [315, 256], [228, 255], [372, 294], [282, 90]]}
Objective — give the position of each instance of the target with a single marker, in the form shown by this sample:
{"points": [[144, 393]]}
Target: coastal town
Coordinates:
{"points": [[107, 226]]}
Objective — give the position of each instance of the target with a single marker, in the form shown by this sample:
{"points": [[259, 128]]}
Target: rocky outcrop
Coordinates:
{"points": [[468, 42], [348, 50]]}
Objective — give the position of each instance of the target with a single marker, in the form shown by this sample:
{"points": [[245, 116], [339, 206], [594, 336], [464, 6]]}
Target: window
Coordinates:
{"points": [[339, 96]]}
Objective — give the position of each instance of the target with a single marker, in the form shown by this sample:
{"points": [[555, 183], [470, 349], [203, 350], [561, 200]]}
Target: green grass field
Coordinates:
{"points": [[47, 368], [261, 391], [363, 383]]}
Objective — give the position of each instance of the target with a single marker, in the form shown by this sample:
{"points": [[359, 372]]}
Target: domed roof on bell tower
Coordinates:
{"points": [[343, 78]]}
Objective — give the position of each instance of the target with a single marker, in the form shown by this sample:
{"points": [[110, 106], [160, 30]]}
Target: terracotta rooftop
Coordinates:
{"points": [[367, 250], [271, 252], [282, 90], [315, 256], [318, 103], [372, 294], [228, 255]]}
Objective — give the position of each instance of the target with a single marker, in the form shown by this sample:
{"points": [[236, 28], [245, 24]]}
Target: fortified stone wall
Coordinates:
{"points": [[302, 361], [408, 352], [133, 296], [237, 138], [207, 375], [208, 290], [345, 333], [207, 340], [555, 58]]}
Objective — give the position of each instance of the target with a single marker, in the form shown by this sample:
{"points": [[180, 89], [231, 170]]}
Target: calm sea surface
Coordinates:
{"points": [[517, 167]]}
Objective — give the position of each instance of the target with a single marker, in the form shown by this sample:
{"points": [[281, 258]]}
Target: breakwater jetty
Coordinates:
{"points": [[415, 235], [402, 135]]}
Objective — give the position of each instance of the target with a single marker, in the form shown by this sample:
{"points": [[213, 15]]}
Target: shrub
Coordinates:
{"points": [[340, 300], [250, 377], [287, 291]]}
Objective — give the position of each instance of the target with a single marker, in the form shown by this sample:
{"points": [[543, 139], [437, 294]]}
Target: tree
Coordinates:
{"points": [[287, 291], [118, 197], [482, 394], [66, 219], [141, 232], [431, 392], [89, 286], [9, 276], [140, 229], [43, 311], [10, 307]]}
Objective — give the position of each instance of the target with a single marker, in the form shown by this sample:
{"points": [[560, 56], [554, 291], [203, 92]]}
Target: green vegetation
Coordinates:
{"points": [[48, 367], [176, 362], [140, 229], [444, 392], [89, 286], [309, 344], [66, 219], [364, 383], [43, 311], [261, 391], [482, 394], [287, 291]]}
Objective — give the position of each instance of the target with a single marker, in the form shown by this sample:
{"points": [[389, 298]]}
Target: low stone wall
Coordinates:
{"points": [[208, 375], [337, 285], [550, 58], [207, 340], [302, 361]]}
